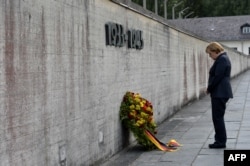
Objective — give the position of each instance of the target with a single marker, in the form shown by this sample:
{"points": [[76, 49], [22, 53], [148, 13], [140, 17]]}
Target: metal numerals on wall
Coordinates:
{"points": [[115, 36]]}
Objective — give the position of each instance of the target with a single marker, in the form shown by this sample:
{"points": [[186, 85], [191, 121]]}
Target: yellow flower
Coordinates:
{"points": [[149, 109], [132, 107], [137, 100], [132, 114], [137, 95], [140, 122], [144, 115], [137, 107]]}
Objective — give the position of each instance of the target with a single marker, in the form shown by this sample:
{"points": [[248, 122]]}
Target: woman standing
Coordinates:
{"points": [[220, 90]]}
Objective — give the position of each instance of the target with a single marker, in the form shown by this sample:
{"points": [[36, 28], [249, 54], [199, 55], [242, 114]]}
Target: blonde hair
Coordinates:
{"points": [[214, 47]]}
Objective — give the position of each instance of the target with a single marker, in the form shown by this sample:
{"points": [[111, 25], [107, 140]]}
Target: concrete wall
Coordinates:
{"points": [[61, 86]]}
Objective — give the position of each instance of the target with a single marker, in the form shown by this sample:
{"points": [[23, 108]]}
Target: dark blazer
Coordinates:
{"points": [[219, 78]]}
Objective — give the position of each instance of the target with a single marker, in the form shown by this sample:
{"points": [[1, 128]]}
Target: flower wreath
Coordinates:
{"points": [[136, 113]]}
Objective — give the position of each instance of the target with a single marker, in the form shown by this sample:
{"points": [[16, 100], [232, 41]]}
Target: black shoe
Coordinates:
{"points": [[216, 146]]}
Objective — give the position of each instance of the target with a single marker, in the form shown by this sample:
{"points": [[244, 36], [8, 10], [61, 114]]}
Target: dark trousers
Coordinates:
{"points": [[218, 111]]}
